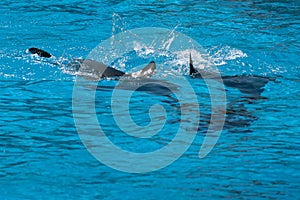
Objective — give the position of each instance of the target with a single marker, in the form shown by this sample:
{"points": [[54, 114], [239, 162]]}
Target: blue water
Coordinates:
{"points": [[257, 154]]}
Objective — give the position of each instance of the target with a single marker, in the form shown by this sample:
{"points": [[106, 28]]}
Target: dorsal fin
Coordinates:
{"points": [[98, 69], [147, 71], [192, 69]]}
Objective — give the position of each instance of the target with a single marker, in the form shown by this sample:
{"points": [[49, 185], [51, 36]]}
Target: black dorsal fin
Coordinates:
{"points": [[192, 69]]}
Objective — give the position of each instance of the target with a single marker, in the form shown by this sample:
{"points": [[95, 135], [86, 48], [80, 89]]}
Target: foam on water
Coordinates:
{"points": [[224, 54]]}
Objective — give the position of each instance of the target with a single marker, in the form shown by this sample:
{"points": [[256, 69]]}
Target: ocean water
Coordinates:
{"points": [[42, 154]]}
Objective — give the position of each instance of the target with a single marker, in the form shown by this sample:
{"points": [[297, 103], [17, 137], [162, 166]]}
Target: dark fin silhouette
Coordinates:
{"points": [[101, 70], [98, 69], [192, 69], [39, 52]]}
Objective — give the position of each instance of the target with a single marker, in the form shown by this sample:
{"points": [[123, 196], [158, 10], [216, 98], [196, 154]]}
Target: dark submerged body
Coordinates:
{"points": [[248, 84]]}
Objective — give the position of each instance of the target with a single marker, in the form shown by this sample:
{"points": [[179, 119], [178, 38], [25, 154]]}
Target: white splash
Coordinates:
{"points": [[170, 39], [142, 49], [224, 54]]}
